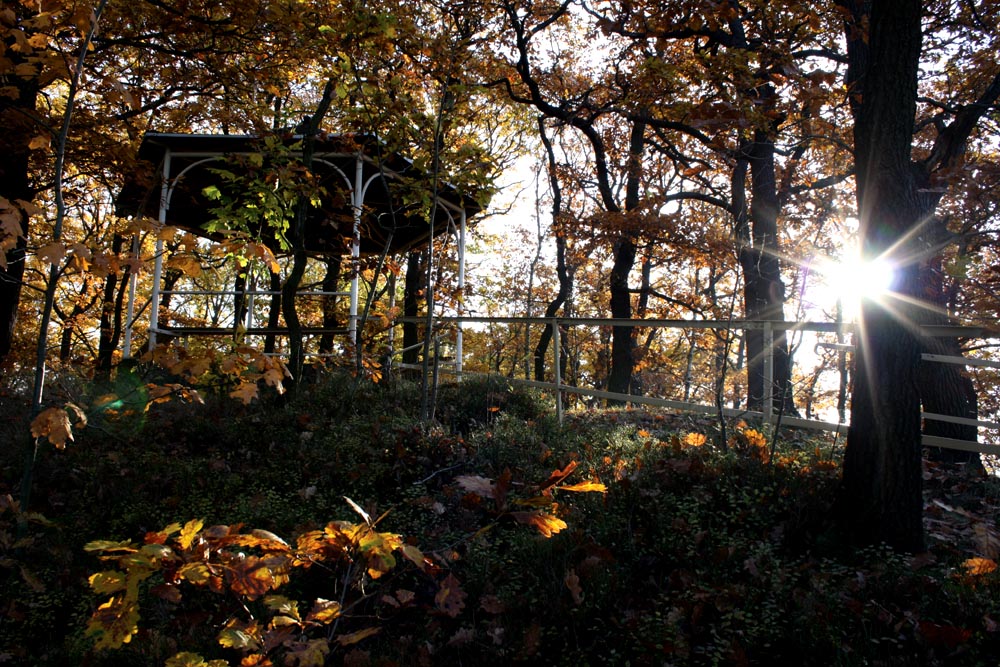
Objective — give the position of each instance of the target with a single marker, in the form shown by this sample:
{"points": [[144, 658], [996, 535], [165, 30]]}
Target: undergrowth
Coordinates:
{"points": [[620, 537]]}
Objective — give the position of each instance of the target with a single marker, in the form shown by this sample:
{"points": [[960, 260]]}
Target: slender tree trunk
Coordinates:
{"points": [[111, 299], [621, 376], [563, 271], [411, 305], [239, 300], [273, 312], [881, 491]]}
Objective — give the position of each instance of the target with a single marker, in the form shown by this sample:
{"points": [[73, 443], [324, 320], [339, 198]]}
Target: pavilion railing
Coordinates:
{"points": [[768, 414]]}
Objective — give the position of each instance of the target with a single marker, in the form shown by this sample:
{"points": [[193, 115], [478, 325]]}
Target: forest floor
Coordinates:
{"points": [[356, 536]]}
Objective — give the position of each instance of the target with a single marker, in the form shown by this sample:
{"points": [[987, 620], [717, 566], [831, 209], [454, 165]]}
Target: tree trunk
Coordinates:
{"points": [[112, 301], [273, 312], [411, 305], [763, 289], [881, 490], [621, 376], [17, 120], [331, 280]]}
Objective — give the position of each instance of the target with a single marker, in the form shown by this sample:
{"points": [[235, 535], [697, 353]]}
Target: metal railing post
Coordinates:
{"points": [[768, 407], [556, 367]]}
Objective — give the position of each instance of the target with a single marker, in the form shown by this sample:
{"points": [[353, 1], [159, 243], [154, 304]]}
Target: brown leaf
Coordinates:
{"points": [[572, 582], [450, 597], [476, 484]]}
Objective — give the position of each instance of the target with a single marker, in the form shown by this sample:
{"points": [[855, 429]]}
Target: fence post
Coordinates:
{"points": [[556, 368], [768, 372]]}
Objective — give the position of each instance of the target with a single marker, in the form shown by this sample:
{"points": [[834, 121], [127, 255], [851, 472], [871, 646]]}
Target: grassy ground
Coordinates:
{"points": [[698, 552]]}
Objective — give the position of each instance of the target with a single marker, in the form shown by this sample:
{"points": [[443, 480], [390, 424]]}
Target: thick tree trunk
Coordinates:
{"points": [[17, 120], [622, 337], [763, 288], [881, 494]]}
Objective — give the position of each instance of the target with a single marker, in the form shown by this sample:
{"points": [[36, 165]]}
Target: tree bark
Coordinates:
{"points": [[763, 288], [881, 490], [112, 302], [331, 280], [411, 306], [17, 118], [621, 378]]}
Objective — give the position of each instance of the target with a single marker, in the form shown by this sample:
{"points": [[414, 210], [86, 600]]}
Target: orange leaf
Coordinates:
{"points": [[546, 524], [323, 611], [586, 487], [979, 566], [559, 475], [250, 577]]}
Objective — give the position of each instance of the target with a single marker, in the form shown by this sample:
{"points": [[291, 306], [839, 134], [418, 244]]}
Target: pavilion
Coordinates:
{"points": [[362, 209]]}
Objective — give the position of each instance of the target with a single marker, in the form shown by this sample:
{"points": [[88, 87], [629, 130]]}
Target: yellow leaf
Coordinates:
{"points": [[196, 573], [114, 623], [414, 555], [189, 532]]}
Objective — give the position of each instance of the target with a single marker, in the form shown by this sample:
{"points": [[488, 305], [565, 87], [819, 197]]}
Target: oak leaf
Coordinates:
{"points": [[546, 524], [450, 597]]}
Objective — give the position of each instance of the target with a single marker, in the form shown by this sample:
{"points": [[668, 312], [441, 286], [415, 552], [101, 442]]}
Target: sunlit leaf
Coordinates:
{"points": [[114, 623], [979, 566], [53, 424], [586, 487], [323, 611], [196, 573], [355, 637], [107, 582], [189, 532], [546, 524]]}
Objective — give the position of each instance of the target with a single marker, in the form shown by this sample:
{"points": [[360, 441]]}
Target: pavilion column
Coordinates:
{"points": [[357, 203], [154, 301]]}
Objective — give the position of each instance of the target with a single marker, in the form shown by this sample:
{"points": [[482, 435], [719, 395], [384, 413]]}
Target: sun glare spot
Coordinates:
{"points": [[853, 280]]}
